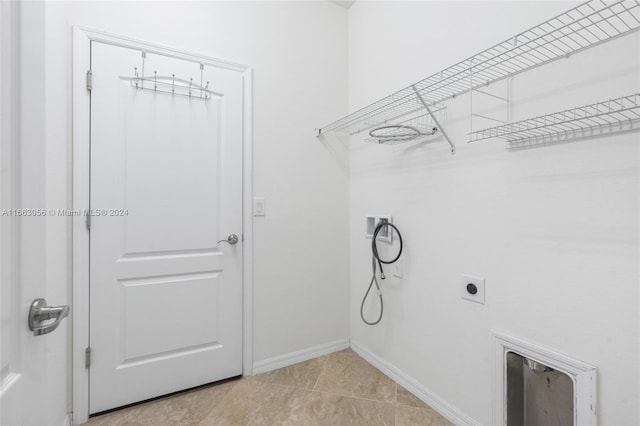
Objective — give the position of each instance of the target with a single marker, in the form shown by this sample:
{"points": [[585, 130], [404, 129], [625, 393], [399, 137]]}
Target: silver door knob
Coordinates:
{"points": [[231, 239], [40, 312]]}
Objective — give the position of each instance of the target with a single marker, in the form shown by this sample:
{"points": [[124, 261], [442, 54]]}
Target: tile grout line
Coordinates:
{"points": [[235, 383], [310, 390], [324, 366], [354, 397], [222, 400]]}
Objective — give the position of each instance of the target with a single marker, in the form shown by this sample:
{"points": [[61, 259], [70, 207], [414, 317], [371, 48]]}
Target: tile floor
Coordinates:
{"points": [[335, 389]]}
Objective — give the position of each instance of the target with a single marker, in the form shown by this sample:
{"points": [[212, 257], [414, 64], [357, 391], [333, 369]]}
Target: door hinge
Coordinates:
{"points": [[87, 357], [89, 80], [88, 221]]}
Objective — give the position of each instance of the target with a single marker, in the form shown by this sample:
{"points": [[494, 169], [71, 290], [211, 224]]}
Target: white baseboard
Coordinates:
{"points": [[67, 420], [299, 356], [452, 413]]}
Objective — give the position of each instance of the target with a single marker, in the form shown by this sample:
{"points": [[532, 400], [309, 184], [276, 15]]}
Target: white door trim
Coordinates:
{"points": [[10, 104], [82, 38]]}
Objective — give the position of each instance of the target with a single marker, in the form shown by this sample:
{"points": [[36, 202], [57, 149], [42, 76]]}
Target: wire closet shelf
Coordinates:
{"points": [[611, 116], [412, 125], [584, 26]]}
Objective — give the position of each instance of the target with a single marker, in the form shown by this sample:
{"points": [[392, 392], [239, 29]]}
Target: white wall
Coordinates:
{"points": [[553, 230], [298, 53]]}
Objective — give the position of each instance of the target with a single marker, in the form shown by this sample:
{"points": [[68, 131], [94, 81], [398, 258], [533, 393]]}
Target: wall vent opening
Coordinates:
{"points": [[534, 386], [537, 394]]}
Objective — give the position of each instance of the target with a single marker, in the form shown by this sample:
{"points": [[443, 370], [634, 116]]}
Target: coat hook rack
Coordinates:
{"points": [[170, 83]]}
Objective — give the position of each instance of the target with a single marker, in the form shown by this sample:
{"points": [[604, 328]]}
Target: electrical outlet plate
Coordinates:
{"points": [[478, 282], [398, 267]]}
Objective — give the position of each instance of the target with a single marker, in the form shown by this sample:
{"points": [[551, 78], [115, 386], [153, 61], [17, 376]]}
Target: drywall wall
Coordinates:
{"points": [[553, 230], [298, 53]]}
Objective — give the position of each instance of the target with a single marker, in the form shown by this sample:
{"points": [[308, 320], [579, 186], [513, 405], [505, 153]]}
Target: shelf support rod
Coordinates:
{"points": [[435, 120]]}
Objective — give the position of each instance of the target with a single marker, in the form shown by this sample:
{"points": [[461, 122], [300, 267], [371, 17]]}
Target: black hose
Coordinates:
{"points": [[374, 246], [376, 260]]}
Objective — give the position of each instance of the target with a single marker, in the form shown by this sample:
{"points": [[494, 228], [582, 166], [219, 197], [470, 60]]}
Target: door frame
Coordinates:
{"points": [[10, 108], [82, 38]]}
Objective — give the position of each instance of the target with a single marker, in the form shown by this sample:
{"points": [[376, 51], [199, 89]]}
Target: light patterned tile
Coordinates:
{"points": [[301, 375], [183, 409], [405, 397], [325, 409], [346, 373], [122, 417], [253, 402], [411, 416], [348, 391]]}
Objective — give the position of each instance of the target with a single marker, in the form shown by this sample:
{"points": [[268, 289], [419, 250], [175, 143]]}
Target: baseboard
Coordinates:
{"points": [[299, 356], [67, 420], [452, 413]]}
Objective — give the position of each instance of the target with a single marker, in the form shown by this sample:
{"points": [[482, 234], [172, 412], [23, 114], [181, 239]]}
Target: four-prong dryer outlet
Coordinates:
{"points": [[472, 288]]}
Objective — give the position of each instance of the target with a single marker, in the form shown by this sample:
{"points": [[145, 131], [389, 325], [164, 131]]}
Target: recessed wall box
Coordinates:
{"points": [[385, 234], [371, 224]]}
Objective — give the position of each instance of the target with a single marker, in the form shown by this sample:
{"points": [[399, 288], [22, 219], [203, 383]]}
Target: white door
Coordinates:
{"points": [[166, 186]]}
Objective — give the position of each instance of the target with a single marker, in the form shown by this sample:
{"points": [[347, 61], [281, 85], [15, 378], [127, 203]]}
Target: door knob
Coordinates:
{"points": [[231, 239], [40, 312]]}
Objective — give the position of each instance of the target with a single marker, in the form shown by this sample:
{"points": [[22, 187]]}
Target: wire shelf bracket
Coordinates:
{"points": [[582, 27], [601, 118], [435, 120]]}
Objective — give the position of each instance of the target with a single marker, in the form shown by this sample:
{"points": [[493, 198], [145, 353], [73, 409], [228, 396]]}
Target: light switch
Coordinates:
{"points": [[258, 206]]}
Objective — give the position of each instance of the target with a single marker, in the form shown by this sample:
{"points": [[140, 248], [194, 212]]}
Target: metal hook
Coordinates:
{"points": [[135, 71], [144, 56], [201, 78], [190, 84]]}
